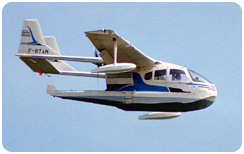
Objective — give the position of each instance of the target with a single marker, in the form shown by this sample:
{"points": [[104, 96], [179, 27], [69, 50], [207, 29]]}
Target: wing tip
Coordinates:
{"points": [[102, 31]]}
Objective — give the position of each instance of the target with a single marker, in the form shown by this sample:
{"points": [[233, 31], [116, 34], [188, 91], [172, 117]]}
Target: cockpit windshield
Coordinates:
{"points": [[197, 77]]}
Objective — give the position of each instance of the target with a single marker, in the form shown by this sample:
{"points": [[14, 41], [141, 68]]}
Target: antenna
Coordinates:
{"points": [[47, 75], [170, 56]]}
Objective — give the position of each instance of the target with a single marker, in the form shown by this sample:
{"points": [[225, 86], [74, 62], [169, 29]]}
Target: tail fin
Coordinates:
{"points": [[31, 33], [51, 42], [32, 42], [51, 89]]}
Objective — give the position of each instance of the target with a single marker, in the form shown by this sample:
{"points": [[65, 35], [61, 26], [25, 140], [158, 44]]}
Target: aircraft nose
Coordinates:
{"points": [[214, 93]]}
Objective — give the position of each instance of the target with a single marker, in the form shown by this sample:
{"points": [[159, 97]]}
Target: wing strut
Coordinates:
{"points": [[115, 67], [115, 51]]}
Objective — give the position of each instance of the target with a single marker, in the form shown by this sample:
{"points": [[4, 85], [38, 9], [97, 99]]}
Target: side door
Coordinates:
{"points": [[156, 80], [160, 77]]}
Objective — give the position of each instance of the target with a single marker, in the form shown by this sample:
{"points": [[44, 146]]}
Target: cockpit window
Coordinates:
{"points": [[177, 75], [160, 75], [148, 76], [197, 77]]}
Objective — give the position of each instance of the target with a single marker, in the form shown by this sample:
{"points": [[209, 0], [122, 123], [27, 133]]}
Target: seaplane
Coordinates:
{"points": [[134, 81]]}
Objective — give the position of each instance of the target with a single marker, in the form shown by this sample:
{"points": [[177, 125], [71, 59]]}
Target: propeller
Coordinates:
{"points": [[96, 53]]}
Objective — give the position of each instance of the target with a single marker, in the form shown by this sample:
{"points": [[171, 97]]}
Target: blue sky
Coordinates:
{"points": [[205, 37]]}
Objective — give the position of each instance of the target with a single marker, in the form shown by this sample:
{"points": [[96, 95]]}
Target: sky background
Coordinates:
{"points": [[205, 37]]}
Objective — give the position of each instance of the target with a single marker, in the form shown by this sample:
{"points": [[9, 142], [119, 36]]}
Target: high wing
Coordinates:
{"points": [[126, 52]]}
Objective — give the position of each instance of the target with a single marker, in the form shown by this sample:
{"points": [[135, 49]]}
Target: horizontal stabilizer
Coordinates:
{"points": [[42, 65], [159, 115]]}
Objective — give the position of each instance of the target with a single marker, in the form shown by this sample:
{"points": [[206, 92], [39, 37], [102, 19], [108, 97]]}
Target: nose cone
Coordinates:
{"points": [[215, 91], [213, 94], [211, 98]]}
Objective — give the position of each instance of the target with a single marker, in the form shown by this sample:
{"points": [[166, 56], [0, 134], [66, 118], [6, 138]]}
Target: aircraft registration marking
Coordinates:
{"points": [[39, 51]]}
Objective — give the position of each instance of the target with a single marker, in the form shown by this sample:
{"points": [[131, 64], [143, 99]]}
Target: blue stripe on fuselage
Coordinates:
{"points": [[196, 84], [140, 85]]}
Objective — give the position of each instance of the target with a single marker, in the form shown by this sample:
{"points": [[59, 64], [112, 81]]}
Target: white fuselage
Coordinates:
{"points": [[150, 89], [135, 82]]}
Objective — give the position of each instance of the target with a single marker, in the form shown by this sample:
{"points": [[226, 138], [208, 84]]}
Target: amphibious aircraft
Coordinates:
{"points": [[135, 82]]}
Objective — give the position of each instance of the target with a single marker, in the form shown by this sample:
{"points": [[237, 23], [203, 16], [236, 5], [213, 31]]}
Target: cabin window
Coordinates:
{"points": [[197, 77], [160, 75], [148, 76], [177, 75]]}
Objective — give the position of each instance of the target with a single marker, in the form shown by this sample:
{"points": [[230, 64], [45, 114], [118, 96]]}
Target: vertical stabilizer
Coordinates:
{"points": [[31, 33], [32, 40], [51, 42], [51, 89]]}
